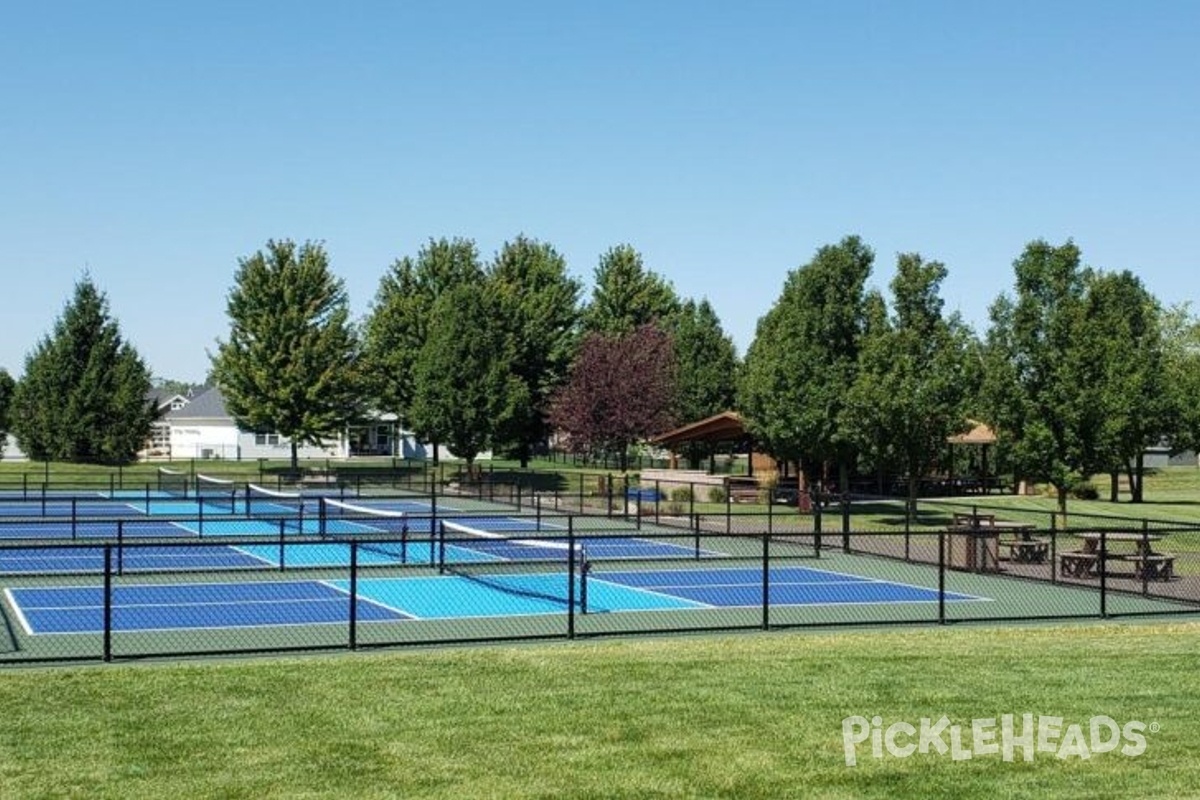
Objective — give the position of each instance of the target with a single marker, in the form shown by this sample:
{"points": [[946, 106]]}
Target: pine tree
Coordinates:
{"points": [[83, 395]]}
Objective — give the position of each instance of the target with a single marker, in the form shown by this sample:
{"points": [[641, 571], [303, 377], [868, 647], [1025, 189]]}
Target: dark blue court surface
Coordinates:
{"points": [[189, 606], [75, 609]]}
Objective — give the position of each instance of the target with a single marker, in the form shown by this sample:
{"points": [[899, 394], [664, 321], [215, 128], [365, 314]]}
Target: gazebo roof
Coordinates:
{"points": [[724, 427], [979, 434]]}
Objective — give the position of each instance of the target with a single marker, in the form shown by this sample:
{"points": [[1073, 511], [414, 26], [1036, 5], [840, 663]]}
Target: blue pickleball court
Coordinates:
{"points": [[152, 607]]}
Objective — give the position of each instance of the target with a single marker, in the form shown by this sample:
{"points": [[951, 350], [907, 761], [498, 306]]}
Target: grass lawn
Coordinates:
{"points": [[728, 716]]}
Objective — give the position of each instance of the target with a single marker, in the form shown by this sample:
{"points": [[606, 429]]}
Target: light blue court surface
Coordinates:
{"points": [[79, 609]]}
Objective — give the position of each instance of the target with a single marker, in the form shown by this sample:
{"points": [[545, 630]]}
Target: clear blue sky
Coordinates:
{"points": [[154, 144]]}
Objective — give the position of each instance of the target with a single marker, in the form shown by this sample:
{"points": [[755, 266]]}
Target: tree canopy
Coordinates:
{"points": [[83, 394], [804, 358], [290, 364], [7, 387], [912, 384], [626, 295], [465, 387], [397, 326], [538, 307], [621, 390]]}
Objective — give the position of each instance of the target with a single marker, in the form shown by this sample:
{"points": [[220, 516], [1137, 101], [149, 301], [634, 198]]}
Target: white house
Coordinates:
{"points": [[203, 428]]}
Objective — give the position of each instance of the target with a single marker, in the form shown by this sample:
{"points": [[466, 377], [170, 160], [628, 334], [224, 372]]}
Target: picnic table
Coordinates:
{"points": [[1090, 558], [1015, 537]]}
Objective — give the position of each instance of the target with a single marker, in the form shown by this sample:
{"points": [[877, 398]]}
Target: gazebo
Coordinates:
{"points": [[982, 436], [723, 428]]}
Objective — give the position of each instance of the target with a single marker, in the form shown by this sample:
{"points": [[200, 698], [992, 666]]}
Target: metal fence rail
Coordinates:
{"points": [[110, 598]]}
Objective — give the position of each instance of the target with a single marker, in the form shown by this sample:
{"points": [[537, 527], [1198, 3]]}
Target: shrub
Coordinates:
{"points": [[1083, 489], [681, 494], [716, 494]]}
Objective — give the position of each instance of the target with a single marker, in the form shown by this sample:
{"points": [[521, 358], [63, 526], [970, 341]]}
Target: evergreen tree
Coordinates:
{"points": [[706, 367], [290, 365], [83, 395]]}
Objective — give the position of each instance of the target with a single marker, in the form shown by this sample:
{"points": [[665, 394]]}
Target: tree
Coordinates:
{"points": [[1181, 337], [397, 326], [911, 387], [1120, 353], [802, 362], [539, 307], [706, 363], [291, 363], [1039, 391], [7, 387], [621, 390], [83, 395], [465, 388], [627, 295]]}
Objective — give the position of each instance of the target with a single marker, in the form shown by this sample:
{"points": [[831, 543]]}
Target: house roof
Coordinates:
{"points": [[207, 405], [724, 427], [979, 434], [162, 399]]}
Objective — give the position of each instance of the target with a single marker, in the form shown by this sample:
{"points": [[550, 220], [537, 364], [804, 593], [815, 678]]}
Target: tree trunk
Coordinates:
{"points": [[295, 459], [1136, 479], [1061, 490], [1114, 487]]}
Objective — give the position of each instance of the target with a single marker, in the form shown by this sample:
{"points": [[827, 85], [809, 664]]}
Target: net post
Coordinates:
{"points": [[570, 581], [147, 497], [74, 518], [322, 517], [696, 533], [199, 513], [353, 643], [112, 484], [282, 546], [108, 605], [766, 583], [1103, 572], [404, 539], [942, 577], [441, 548], [120, 546]]}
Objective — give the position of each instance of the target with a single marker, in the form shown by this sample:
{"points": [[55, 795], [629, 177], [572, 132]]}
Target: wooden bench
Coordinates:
{"points": [[1152, 567], [1076, 564], [1027, 551]]}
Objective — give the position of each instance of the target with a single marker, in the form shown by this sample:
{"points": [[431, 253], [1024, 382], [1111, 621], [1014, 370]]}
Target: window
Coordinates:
{"points": [[262, 439]]}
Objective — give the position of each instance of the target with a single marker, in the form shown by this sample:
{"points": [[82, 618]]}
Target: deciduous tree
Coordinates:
{"points": [[804, 358], [626, 295], [621, 390], [465, 388], [290, 364], [539, 309]]}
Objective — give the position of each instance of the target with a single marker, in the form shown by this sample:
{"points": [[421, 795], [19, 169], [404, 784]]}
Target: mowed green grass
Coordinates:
{"points": [[730, 716]]}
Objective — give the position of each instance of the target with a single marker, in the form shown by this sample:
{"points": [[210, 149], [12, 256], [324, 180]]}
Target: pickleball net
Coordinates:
{"points": [[174, 482], [501, 562], [264, 502], [375, 530], [220, 493]]}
